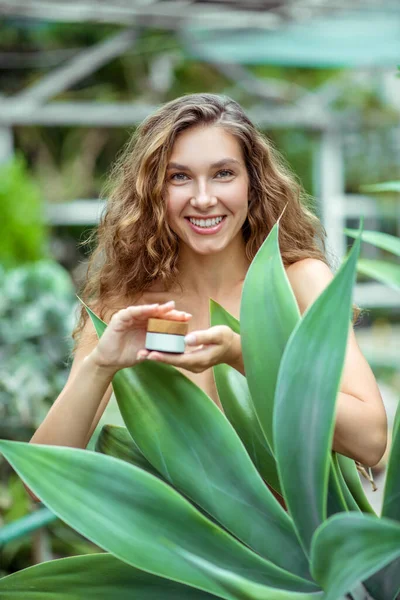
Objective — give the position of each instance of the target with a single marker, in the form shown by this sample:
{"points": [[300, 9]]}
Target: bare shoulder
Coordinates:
{"points": [[308, 278], [309, 267]]}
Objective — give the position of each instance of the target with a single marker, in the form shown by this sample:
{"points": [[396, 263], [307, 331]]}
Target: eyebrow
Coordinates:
{"points": [[219, 163]]}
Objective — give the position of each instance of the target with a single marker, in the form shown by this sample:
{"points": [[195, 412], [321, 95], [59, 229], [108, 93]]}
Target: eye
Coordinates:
{"points": [[224, 173], [178, 177]]}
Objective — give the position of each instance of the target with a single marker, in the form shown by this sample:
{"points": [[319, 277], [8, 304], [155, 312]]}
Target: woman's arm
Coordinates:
{"points": [[76, 412], [361, 424], [72, 415]]}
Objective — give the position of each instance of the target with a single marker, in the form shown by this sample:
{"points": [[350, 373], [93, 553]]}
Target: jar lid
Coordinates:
{"points": [[166, 326]]}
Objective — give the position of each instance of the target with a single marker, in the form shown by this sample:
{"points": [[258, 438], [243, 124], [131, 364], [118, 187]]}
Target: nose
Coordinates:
{"points": [[203, 198]]}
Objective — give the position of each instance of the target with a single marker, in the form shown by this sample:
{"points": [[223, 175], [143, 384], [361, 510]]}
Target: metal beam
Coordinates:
{"points": [[120, 114], [373, 295], [172, 14], [76, 212], [330, 188], [79, 67], [88, 114]]}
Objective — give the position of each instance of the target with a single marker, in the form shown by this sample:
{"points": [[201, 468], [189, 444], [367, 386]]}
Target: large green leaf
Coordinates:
{"points": [[236, 584], [104, 577], [268, 315], [138, 518], [308, 385], [186, 437], [348, 498], [386, 272], [116, 441], [385, 584], [350, 475], [335, 501], [350, 547], [93, 577], [391, 500], [379, 239], [190, 442], [238, 406]]}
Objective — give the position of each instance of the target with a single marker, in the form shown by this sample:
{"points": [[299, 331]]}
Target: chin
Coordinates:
{"points": [[207, 251]]}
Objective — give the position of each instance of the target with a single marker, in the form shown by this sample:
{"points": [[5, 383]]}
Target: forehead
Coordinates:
{"points": [[210, 142]]}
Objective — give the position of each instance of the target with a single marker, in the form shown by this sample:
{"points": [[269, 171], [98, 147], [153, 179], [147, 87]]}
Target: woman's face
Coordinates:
{"points": [[207, 189]]}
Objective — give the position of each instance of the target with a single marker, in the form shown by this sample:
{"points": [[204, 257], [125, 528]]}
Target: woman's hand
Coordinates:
{"points": [[126, 334], [209, 347]]}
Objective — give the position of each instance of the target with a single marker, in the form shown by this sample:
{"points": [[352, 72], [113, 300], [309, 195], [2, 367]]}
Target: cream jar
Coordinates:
{"points": [[166, 336]]}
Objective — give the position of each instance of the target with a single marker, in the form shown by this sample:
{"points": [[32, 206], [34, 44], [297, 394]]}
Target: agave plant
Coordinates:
{"points": [[184, 499]]}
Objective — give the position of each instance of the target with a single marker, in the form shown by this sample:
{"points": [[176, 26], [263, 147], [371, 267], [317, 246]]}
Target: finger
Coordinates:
{"points": [[126, 314], [144, 309], [179, 359], [214, 335], [168, 310], [187, 360], [167, 305], [147, 310], [142, 354], [178, 315], [174, 360]]}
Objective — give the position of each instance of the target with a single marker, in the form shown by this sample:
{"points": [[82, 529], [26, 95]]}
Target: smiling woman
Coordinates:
{"points": [[190, 202]]}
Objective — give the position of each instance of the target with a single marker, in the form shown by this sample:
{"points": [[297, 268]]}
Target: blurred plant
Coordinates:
{"points": [[23, 233], [36, 312], [191, 515], [382, 270], [385, 271], [68, 162], [36, 317], [28, 544]]}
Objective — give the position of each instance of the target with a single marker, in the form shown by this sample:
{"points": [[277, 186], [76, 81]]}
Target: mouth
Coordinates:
{"points": [[206, 226]]}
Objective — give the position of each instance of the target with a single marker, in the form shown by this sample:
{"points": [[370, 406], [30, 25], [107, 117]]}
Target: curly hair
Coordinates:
{"points": [[134, 245]]}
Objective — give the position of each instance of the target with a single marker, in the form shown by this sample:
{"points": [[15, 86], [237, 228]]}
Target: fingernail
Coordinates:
{"points": [[190, 339]]}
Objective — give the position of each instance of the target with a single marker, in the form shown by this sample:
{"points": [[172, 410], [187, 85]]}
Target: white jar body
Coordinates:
{"points": [[165, 342]]}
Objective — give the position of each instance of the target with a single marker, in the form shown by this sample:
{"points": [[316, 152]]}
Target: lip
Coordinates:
{"points": [[209, 230]]}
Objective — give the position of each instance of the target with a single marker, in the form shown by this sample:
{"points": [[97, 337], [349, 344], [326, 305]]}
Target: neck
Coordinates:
{"points": [[214, 275]]}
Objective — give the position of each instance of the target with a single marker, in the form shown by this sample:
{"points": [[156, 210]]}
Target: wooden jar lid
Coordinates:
{"points": [[165, 326]]}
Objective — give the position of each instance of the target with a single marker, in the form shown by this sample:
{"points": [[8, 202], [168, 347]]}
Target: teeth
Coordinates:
{"points": [[206, 222]]}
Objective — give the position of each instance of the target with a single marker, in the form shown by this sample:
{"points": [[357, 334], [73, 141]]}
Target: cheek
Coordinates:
{"points": [[239, 198], [175, 204]]}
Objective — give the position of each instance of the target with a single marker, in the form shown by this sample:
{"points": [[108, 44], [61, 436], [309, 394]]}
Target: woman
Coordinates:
{"points": [[190, 202]]}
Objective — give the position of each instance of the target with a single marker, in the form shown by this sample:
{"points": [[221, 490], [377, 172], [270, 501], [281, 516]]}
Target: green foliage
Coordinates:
{"points": [[36, 312], [207, 523], [23, 234], [385, 271], [388, 186], [37, 303]]}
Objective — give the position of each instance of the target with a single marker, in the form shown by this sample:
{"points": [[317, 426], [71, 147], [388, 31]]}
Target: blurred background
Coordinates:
{"points": [[319, 77]]}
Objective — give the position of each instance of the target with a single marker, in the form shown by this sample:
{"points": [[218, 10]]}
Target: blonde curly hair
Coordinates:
{"points": [[134, 245]]}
